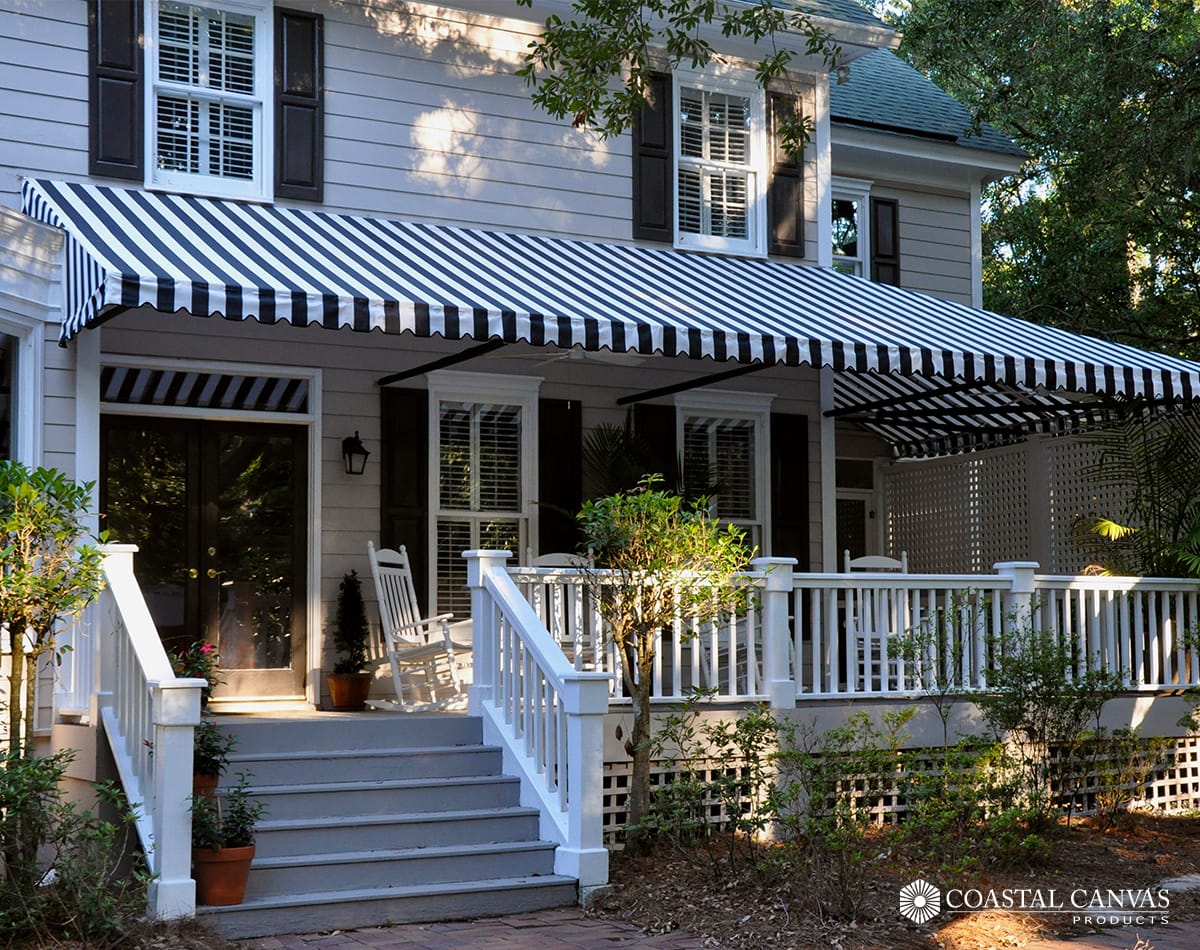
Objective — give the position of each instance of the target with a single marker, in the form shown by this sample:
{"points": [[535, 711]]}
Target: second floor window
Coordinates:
{"points": [[720, 174], [210, 98], [851, 231]]}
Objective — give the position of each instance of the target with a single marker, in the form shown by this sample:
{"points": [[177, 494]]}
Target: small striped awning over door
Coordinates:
{"points": [[132, 248]]}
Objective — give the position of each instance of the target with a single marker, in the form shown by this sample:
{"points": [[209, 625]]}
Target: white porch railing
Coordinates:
{"points": [[727, 657], [1136, 626], [148, 716], [546, 715], [841, 635]]}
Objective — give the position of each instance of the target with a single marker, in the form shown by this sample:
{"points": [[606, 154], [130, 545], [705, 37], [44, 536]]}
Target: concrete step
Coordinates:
{"points": [[308, 767], [309, 911], [349, 870], [341, 732], [363, 832], [378, 797]]}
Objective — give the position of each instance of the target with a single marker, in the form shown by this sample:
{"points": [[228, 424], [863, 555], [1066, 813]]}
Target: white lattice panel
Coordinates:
{"points": [[1075, 492], [928, 514], [1173, 786], [1001, 491], [962, 514]]}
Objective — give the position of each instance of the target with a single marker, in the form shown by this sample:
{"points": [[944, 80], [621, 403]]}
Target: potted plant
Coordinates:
{"points": [[197, 661], [349, 683], [223, 843], [210, 757]]}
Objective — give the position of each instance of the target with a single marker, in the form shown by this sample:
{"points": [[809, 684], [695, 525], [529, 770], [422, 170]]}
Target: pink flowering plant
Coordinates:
{"points": [[198, 661]]}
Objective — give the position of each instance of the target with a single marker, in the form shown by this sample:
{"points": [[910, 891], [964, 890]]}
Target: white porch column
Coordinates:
{"points": [[583, 856], [829, 554], [484, 627], [779, 681], [176, 712], [1020, 601]]}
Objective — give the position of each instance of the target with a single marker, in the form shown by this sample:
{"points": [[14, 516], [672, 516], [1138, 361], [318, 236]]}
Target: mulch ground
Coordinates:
{"points": [[745, 909]]}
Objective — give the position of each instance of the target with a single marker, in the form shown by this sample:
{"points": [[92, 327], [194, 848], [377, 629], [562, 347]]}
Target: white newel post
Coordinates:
{"points": [[118, 562], [1020, 598], [779, 683], [176, 713], [583, 856], [484, 627]]}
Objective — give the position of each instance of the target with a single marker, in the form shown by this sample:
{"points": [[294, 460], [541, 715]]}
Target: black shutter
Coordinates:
{"points": [[116, 128], [560, 473], [299, 106], [655, 429], [785, 200], [885, 241], [404, 493], [789, 488], [653, 135]]}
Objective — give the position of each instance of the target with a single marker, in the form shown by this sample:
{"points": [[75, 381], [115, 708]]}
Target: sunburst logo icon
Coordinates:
{"points": [[920, 901]]}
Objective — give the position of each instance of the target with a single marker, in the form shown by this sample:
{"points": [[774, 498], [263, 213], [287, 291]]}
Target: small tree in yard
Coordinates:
{"points": [[46, 575], [671, 559]]}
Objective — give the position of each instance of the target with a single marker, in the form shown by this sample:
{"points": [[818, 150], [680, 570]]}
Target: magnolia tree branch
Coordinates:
{"points": [[593, 68]]}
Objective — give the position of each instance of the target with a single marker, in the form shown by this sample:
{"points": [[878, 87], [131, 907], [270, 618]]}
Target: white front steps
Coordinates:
{"points": [[380, 818]]}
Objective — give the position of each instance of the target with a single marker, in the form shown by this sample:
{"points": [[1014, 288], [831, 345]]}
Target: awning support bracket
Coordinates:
{"points": [[454, 358]]}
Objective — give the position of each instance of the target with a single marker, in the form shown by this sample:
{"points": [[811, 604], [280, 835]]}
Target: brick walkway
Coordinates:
{"points": [[567, 929], [561, 929]]}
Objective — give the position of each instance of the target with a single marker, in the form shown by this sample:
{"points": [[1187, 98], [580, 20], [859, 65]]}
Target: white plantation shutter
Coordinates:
{"points": [[500, 458], [479, 490], [715, 177], [208, 106], [719, 457]]}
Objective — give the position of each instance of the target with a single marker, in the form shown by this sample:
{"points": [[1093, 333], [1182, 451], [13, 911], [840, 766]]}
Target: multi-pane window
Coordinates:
{"points": [[721, 459], [720, 171], [208, 98], [479, 490], [849, 232]]}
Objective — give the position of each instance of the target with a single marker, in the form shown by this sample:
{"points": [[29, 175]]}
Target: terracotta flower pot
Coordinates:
{"points": [[221, 875], [204, 786], [348, 691]]}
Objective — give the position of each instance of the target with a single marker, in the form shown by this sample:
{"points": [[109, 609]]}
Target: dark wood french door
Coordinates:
{"points": [[219, 513]]}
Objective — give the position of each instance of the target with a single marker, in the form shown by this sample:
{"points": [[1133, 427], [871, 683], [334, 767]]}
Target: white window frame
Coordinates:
{"points": [[260, 186], [26, 445], [858, 190], [718, 78], [755, 407], [451, 386]]}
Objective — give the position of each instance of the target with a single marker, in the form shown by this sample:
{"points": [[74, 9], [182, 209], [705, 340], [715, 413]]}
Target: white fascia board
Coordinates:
{"points": [[856, 40], [920, 160]]}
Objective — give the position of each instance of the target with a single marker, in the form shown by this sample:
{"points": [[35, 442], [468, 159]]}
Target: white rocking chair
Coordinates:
{"points": [[416, 643]]}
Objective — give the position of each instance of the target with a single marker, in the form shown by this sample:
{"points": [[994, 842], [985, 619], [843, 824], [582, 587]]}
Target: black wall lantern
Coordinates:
{"points": [[354, 454]]}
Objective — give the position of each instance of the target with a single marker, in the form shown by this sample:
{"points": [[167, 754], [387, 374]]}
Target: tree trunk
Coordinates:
{"points": [[16, 687], [638, 804], [31, 659]]}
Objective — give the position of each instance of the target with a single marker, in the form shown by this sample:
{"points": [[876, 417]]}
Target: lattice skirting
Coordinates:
{"points": [[1174, 785]]}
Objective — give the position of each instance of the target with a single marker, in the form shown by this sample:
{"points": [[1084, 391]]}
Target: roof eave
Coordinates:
{"points": [[989, 164]]}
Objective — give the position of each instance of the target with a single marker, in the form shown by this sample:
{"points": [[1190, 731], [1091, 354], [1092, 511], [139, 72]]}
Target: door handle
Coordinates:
{"points": [[212, 572], [193, 573]]}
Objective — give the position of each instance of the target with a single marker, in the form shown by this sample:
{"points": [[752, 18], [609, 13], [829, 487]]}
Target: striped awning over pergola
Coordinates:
{"points": [[133, 248]]}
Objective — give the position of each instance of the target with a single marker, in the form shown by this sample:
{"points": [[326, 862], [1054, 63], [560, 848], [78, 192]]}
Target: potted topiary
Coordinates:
{"points": [[349, 683], [223, 843], [210, 756]]}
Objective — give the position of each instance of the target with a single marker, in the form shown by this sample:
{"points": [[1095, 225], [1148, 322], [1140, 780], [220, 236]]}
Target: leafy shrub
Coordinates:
{"points": [[88, 884]]}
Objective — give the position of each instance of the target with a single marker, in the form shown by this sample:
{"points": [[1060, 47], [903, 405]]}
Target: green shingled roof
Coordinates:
{"points": [[884, 92], [848, 11]]}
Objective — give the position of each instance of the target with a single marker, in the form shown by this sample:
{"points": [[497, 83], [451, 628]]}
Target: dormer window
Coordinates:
{"points": [[209, 100], [721, 144]]}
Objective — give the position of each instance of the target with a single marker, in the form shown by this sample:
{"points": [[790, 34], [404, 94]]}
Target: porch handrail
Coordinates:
{"points": [[546, 716], [149, 716]]}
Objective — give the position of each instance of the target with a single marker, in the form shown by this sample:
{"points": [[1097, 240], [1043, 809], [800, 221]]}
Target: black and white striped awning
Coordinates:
{"points": [[193, 389], [131, 248]]}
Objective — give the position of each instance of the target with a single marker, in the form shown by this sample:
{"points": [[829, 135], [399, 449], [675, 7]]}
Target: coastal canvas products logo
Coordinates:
{"points": [[920, 901]]}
